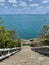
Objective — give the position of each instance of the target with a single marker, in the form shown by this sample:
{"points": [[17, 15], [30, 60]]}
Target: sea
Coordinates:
{"points": [[27, 26]]}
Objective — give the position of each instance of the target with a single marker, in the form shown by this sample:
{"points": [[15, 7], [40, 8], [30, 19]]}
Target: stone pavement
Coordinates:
{"points": [[26, 57]]}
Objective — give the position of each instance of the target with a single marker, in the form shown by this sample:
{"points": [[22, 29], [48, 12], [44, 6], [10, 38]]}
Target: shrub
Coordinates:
{"points": [[46, 42], [6, 39]]}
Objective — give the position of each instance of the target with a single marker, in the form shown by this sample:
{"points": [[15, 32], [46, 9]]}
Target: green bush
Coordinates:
{"points": [[34, 44], [6, 39], [46, 42]]}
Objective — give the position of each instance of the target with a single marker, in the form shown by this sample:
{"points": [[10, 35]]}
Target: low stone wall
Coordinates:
{"points": [[4, 53], [42, 50]]}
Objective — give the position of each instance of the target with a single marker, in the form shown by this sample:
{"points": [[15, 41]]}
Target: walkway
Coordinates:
{"points": [[26, 57]]}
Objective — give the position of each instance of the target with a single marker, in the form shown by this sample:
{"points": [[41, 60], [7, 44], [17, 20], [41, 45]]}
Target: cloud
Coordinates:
{"points": [[2, 1], [6, 7], [15, 5], [2, 4], [12, 1], [30, 0], [22, 3], [40, 7], [47, 7], [45, 1], [34, 5]]}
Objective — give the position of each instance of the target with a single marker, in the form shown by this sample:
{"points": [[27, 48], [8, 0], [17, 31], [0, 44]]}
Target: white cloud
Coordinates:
{"points": [[12, 1], [30, 0], [47, 7], [6, 7], [2, 4], [14, 5], [42, 9], [2, 1], [22, 3], [34, 5], [45, 1]]}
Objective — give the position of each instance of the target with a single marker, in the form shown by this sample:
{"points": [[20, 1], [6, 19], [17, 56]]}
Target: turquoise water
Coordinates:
{"points": [[26, 25]]}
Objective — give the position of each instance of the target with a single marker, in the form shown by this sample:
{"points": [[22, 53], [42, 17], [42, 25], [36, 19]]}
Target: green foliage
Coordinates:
{"points": [[6, 39], [1, 22], [32, 45], [45, 34], [45, 31], [46, 42], [19, 43]]}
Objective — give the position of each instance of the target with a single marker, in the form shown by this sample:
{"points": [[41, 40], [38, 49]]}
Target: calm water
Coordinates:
{"points": [[27, 25]]}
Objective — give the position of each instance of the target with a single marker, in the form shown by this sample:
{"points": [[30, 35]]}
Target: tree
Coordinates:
{"points": [[6, 39]]}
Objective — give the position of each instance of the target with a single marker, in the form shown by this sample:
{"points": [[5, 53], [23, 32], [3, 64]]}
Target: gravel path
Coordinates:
{"points": [[26, 57]]}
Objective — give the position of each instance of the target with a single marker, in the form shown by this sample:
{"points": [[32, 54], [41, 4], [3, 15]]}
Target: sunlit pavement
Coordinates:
{"points": [[26, 57]]}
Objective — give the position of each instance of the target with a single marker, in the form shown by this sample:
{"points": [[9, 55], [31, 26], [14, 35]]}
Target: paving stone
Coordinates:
{"points": [[26, 57]]}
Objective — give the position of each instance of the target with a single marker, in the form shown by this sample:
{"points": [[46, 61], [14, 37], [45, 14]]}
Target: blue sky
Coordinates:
{"points": [[24, 6]]}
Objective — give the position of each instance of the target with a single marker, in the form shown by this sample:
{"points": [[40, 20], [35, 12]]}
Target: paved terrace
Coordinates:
{"points": [[26, 57]]}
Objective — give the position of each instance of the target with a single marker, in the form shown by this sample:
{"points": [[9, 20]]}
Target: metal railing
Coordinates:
{"points": [[6, 52], [43, 49]]}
